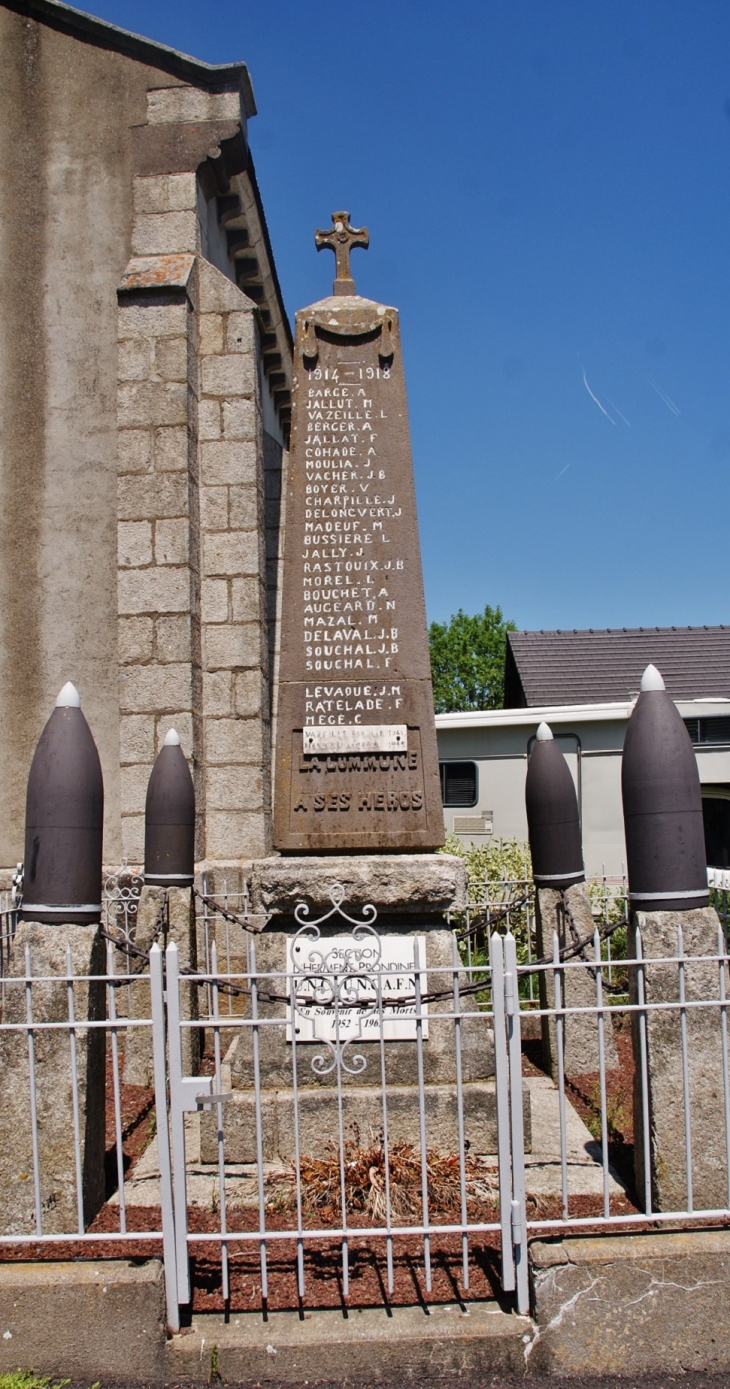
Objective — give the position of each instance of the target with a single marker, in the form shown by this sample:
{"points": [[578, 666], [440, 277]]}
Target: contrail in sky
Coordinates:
{"points": [[669, 403], [560, 474], [594, 397], [614, 406]]}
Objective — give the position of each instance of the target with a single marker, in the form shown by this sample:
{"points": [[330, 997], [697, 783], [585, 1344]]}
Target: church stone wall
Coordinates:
{"points": [[236, 721], [192, 565], [158, 544], [131, 473], [66, 112]]}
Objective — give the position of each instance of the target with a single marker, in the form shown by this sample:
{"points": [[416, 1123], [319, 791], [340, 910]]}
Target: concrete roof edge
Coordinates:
{"points": [[550, 713], [106, 35], [566, 713]]}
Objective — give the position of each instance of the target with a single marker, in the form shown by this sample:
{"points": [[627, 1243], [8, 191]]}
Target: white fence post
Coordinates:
{"points": [[519, 1219], [177, 1123], [187, 1094], [501, 1078], [163, 1136]]}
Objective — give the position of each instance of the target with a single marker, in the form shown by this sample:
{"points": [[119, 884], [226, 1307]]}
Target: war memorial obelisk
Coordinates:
{"points": [[357, 800], [356, 759], [357, 796]]}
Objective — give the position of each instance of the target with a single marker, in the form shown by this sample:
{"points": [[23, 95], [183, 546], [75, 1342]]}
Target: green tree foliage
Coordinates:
{"points": [[467, 661]]}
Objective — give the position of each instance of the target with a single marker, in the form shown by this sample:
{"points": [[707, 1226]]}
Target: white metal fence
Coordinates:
{"points": [[42, 1032], [357, 1092]]}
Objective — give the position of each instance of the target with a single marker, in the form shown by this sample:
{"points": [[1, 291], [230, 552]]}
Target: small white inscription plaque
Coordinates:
{"points": [[337, 985], [374, 737]]}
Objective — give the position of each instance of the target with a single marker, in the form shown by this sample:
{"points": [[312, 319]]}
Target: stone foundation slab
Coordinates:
{"points": [[372, 1346], [631, 1304], [89, 1320], [398, 885], [363, 1120]]}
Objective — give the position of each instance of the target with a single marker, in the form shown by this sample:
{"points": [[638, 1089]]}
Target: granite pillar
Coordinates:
{"points": [[580, 1030], [48, 947], [177, 923], [666, 1098], [356, 755]]}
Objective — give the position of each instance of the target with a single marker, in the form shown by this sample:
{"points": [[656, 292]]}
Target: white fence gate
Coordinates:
{"points": [[357, 1027]]}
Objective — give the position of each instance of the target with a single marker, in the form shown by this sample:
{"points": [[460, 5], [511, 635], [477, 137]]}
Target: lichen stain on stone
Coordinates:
{"points": [[154, 272]]}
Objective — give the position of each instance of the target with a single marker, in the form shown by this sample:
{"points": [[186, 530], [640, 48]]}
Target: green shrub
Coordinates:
{"points": [[507, 862], [28, 1379], [493, 862], [500, 883]]}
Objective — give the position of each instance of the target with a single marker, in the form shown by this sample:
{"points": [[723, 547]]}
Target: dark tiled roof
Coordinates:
{"points": [[593, 667]]}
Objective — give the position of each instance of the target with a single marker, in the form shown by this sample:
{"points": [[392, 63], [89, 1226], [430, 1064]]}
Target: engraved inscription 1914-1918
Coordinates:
{"points": [[356, 758]]}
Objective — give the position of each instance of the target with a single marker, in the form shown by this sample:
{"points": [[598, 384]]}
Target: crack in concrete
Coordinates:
{"points": [[655, 1283], [541, 1331], [550, 1276]]}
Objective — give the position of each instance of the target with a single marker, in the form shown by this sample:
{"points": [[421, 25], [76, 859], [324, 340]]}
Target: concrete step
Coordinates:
{"points": [[407, 1343]]}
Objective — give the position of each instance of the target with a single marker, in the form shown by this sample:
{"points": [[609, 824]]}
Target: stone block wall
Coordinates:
{"points": [[234, 641], [193, 638], [140, 152], [158, 531], [276, 462]]}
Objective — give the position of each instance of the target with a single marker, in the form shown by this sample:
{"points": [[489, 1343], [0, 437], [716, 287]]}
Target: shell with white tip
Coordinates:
{"points": [[662, 800], [169, 827], [64, 820], [552, 815]]}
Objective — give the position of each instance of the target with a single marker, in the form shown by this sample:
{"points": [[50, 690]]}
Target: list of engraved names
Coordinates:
{"points": [[357, 764], [351, 559]]}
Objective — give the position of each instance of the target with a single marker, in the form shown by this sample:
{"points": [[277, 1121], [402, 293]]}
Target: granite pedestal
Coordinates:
{"points": [[580, 1030], [412, 894], [53, 1081], [667, 1154], [178, 925]]}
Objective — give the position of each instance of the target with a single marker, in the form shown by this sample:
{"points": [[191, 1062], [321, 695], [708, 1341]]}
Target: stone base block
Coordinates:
{"points": [[580, 1030], [54, 1081], [667, 1157], [478, 1345], [631, 1304], [400, 886], [92, 1320], [363, 1119]]}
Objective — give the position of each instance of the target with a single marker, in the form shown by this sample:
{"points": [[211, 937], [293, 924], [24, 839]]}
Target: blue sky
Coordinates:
{"points": [[547, 189]]}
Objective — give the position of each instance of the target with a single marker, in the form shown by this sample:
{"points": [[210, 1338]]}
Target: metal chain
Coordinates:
{"points": [[489, 918], [568, 915], [126, 946], [247, 921], [162, 918], [566, 953], [234, 990], [580, 946]]}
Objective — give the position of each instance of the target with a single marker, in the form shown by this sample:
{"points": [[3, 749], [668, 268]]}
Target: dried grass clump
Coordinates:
{"points": [[365, 1182]]}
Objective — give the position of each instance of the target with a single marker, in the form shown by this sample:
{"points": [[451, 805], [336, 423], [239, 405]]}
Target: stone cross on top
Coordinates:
{"points": [[342, 240]]}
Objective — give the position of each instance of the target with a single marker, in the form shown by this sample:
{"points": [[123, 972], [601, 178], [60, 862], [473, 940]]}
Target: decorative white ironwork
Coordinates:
{"points": [[337, 897], [17, 888], [120, 900], [345, 989], [335, 981]]}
